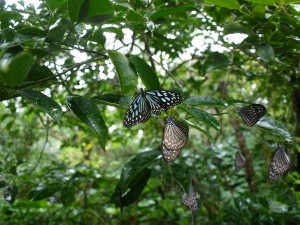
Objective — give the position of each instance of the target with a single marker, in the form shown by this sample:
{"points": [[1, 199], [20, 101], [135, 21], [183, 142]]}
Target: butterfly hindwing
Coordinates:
{"points": [[252, 114], [169, 155], [280, 163], [190, 200], [138, 112], [175, 134]]}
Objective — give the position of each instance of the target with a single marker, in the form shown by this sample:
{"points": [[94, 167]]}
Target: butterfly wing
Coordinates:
{"points": [[252, 114], [175, 135], [169, 155], [162, 100], [280, 163], [138, 112], [190, 200], [239, 161]]}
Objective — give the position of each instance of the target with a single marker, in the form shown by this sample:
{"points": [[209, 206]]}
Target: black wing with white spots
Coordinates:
{"points": [[138, 112], [280, 163], [154, 101], [252, 114], [175, 135]]}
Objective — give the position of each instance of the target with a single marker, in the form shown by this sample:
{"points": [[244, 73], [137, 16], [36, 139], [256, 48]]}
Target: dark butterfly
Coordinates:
{"points": [[190, 200], [280, 163], [154, 101], [175, 137], [239, 161], [252, 114]]}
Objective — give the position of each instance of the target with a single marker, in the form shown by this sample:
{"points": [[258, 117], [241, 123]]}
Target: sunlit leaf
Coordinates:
{"points": [[45, 103], [230, 4]]}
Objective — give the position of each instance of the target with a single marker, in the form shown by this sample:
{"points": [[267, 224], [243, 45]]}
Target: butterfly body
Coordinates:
{"points": [[149, 101], [280, 163], [252, 114]]}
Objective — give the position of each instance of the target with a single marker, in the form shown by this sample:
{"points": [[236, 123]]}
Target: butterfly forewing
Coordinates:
{"points": [[252, 114], [175, 134], [280, 163], [162, 100], [169, 155], [138, 112], [239, 161]]}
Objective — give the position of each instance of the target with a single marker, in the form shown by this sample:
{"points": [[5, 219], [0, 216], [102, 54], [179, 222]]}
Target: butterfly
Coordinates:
{"points": [[239, 161], [175, 137], [190, 200], [252, 114], [146, 102], [280, 163]]}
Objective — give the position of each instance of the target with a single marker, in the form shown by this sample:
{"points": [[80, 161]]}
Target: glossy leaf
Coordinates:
{"points": [[270, 125], [266, 53], [146, 73], [230, 4], [202, 116], [40, 193], [200, 129], [264, 2], [89, 113], [176, 11], [127, 76], [45, 103], [74, 7], [17, 68], [233, 28], [96, 11], [56, 33], [203, 101]]}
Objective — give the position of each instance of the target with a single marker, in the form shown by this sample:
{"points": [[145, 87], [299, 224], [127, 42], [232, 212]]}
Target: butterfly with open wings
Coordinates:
{"points": [[251, 114]]}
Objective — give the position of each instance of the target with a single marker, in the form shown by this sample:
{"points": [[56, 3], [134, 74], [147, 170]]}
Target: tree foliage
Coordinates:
{"points": [[69, 69]]}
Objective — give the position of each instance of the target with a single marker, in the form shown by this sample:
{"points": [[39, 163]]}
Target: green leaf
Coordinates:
{"points": [[182, 175], [266, 53], [96, 11], [118, 101], [89, 113], [135, 188], [10, 38], [200, 129], [203, 101], [135, 166], [215, 61], [203, 116], [67, 195], [230, 4], [17, 68], [74, 7], [45, 103], [56, 33], [126, 75], [54, 4], [44, 192], [271, 126], [99, 37], [145, 72], [233, 28], [264, 2]]}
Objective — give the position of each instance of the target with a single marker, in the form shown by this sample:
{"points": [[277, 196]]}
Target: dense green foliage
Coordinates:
{"points": [[69, 70]]}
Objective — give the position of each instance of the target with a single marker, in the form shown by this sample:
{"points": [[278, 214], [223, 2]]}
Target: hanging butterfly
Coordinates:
{"points": [[190, 200], [252, 114], [280, 163], [146, 102], [239, 161], [175, 138]]}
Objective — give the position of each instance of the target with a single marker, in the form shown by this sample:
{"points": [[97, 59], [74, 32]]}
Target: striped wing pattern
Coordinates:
{"points": [[154, 101], [239, 161], [252, 114], [280, 163], [190, 200], [175, 134]]}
